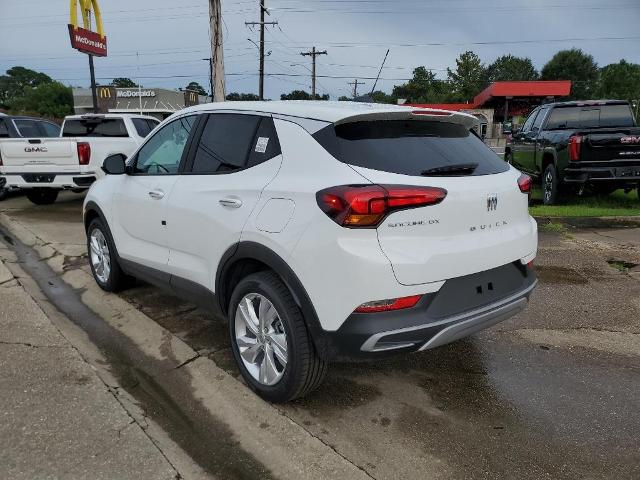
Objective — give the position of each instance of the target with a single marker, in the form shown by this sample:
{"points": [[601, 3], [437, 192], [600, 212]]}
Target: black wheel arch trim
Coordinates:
{"points": [[248, 250]]}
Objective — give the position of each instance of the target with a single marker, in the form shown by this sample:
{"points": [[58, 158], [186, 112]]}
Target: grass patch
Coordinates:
{"points": [[552, 227], [621, 265], [616, 204]]}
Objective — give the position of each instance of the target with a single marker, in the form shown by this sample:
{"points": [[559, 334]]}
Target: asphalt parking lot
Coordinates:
{"points": [[551, 393]]}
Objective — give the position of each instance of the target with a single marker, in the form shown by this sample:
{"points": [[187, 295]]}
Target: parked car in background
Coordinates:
{"points": [[571, 146], [44, 166], [319, 229], [19, 126]]}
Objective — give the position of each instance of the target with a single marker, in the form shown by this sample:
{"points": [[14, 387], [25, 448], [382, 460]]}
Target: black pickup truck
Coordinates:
{"points": [[571, 146]]}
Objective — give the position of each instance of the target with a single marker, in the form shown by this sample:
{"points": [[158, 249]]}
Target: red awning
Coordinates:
{"points": [[538, 88], [541, 88]]}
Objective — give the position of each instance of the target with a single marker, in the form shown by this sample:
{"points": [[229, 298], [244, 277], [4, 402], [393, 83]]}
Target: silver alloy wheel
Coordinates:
{"points": [[548, 186], [100, 257], [261, 339]]}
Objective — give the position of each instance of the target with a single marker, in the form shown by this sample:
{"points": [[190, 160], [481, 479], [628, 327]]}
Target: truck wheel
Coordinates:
{"points": [[4, 193], [508, 157], [550, 187], [42, 196], [270, 341]]}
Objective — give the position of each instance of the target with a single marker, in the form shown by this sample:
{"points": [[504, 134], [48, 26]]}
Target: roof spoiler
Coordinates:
{"points": [[419, 114]]}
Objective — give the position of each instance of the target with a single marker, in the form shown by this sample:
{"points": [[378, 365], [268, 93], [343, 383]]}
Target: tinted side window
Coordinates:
{"points": [[27, 128], [152, 124], [4, 129], [142, 126], [95, 127], [225, 143], [529, 123], [50, 129], [539, 119], [162, 154], [408, 147], [265, 145]]}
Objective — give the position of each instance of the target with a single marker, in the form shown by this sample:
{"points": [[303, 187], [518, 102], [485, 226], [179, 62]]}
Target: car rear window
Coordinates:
{"points": [[101, 127], [143, 126], [408, 147], [27, 128], [590, 116]]}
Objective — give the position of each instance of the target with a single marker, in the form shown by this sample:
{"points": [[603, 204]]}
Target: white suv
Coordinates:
{"points": [[318, 229]]}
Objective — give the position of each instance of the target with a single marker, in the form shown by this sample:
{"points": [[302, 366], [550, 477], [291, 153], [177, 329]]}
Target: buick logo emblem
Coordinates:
{"points": [[492, 202]]}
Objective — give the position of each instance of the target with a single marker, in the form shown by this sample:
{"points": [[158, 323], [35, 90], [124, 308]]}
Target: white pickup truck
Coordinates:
{"points": [[44, 166]]}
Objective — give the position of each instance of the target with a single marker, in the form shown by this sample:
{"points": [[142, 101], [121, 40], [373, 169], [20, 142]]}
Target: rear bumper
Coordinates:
{"points": [[462, 307], [66, 180], [623, 172]]}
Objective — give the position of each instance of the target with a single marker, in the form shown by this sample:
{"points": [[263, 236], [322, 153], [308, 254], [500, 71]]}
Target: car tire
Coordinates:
{"points": [[4, 193], [42, 196], [508, 157], [550, 185], [267, 326], [103, 258]]}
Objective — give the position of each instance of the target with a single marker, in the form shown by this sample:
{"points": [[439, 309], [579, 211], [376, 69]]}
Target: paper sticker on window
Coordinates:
{"points": [[261, 144]]}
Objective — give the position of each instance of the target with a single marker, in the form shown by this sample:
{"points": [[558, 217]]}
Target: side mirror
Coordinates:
{"points": [[114, 164]]}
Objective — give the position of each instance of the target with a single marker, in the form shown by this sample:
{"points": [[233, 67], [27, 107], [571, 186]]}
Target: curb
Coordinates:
{"points": [[592, 222]]}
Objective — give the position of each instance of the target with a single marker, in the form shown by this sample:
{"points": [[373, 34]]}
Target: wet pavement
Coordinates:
{"points": [[552, 393]]}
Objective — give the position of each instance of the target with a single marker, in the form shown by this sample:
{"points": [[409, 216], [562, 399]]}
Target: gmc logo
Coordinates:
{"points": [[628, 140], [35, 149]]}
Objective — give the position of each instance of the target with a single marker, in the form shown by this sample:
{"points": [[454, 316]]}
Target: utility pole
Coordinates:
{"points": [[216, 62], [313, 54], [210, 60], [355, 84], [262, 23]]}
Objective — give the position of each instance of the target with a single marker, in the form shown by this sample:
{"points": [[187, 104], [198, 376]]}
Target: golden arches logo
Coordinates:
{"points": [[86, 8], [105, 92], [193, 96]]}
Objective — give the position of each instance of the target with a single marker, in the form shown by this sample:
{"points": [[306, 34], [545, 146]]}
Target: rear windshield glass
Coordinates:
{"points": [[104, 127], [409, 147], [27, 128], [592, 116]]}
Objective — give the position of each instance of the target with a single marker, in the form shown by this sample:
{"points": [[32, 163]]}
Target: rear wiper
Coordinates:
{"points": [[457, 169]]}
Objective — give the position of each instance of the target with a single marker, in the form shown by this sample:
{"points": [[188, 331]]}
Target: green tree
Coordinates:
{"points": [[422, 88], [574, 65], [469, 77], [242, 97], [123, 82], [380, 97], [196, 87], [17, 82], [509, 67], [51, 99], [302, 95], [620, 81]]}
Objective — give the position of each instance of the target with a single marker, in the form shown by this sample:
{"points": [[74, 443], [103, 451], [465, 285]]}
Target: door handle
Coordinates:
{"points": [[156, 194], [230, 202]]}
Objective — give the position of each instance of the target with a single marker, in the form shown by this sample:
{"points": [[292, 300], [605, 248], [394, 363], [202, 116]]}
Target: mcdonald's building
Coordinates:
{"points": [[157, 102]]}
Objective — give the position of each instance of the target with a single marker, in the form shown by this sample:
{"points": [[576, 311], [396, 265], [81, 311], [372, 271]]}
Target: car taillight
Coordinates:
{"points": [[574, 147], [84, 153], [524, 183], [389, 304], [365, 206]]}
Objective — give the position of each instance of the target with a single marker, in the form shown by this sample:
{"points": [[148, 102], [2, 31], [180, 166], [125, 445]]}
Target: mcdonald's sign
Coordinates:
{"points": [[84, 39], [191, 98], [107, 98]]}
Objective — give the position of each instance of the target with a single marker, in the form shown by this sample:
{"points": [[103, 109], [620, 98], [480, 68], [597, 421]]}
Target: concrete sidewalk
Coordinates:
{"points": [[57, 418]]}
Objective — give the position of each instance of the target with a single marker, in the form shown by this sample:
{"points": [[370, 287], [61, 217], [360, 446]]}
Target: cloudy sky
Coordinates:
{"points": [[162, 42]]}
